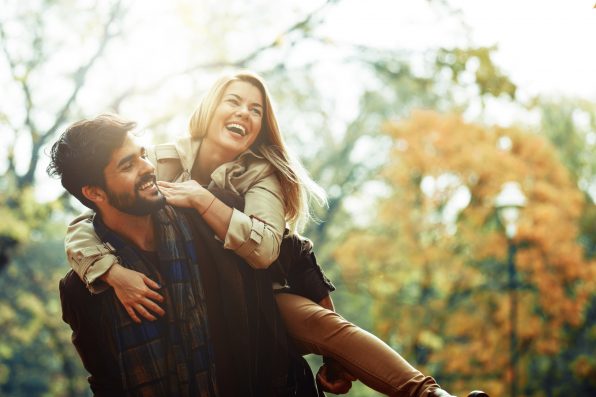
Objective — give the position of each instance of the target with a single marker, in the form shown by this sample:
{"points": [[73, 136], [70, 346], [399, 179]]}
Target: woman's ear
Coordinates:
{"points": [[94, 193]]}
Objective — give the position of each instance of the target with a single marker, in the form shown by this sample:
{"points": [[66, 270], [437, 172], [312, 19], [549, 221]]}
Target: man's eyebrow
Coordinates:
{"points": [[125, 160], [130, 157]]}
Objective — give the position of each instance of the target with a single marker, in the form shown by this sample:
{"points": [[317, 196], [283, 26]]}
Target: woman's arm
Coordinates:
{"points": [[88, 256], [98, 267], [255, 234]]}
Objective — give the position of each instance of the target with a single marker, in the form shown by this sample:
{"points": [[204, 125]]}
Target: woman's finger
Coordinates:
{"points": [[154, 296], [150, 283], [143, 312], [132, 314], [154, 307]]}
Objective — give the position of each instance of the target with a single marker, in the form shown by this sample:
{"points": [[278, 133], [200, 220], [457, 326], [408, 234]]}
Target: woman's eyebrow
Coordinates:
{"points": [[239, 97]]}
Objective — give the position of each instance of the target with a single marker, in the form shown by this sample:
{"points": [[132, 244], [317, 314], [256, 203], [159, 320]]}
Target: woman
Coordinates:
{"points": [[235, 144]]}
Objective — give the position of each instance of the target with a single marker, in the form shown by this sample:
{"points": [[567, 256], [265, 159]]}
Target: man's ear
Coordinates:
{"points": [[94, 193]]}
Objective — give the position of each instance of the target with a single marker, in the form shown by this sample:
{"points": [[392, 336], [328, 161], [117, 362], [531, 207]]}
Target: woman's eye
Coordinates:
{"points": [[233, 101], [256, 111]]}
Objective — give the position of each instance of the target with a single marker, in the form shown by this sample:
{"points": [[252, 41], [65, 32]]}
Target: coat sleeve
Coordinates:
{"points": [[255, 234], [88, 256]]}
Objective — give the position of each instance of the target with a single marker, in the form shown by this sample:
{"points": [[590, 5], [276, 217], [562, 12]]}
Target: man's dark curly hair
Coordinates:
{"points": [[81, 154]]}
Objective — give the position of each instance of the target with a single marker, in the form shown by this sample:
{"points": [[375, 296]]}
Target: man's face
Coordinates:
{"points": [[130, 181]]}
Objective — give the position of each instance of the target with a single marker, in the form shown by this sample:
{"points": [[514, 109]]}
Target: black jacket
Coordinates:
{"points": [[254, 356]]}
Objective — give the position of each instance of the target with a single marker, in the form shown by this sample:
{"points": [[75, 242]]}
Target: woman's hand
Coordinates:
{"points": [[182, 194], [135, 291]]}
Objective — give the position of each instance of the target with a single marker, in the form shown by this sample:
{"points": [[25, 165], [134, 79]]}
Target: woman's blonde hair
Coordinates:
{"points": [[297, 186]]}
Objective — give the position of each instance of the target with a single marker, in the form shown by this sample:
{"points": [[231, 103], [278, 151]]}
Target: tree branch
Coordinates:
{"points": [[21, 81], [79, 81], [301, 25]]}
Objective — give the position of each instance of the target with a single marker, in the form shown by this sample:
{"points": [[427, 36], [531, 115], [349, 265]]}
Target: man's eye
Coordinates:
{"points": [[126, 167]]}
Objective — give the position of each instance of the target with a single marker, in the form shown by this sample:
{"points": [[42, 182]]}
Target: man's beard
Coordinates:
{"points": [[135, 204]]}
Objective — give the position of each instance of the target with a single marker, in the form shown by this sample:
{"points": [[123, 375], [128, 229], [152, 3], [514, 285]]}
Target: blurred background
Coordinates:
{"points": [[456, 140]]}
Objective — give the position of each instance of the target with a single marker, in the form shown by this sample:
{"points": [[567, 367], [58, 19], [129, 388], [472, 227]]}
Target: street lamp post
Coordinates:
{"points": [[508, 203]]}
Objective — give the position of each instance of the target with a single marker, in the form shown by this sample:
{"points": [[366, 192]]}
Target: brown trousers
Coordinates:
{"points": [[324, 332]]}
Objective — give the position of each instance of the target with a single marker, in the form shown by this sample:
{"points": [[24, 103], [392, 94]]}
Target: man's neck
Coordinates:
{"points": [[136, 229]]}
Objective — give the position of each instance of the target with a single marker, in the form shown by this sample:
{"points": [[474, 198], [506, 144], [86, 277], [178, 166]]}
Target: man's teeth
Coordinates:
{"points": [[146, 185], [237, 128]]}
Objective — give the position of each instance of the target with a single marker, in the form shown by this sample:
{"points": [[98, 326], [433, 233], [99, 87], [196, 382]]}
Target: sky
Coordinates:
{"points": [[546, 46]]}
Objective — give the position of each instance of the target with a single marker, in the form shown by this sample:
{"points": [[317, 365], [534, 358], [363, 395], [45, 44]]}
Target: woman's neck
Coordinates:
{"points": [[209, 157]]}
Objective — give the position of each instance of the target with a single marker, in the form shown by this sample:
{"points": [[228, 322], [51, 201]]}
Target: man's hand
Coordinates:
{"points": [[334, 378], [135, 291]]}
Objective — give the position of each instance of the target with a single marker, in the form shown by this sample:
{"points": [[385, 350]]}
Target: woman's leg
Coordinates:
{"points": [[365, 356]]}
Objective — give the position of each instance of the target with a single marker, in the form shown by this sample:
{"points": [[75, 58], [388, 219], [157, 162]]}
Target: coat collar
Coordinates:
{"points": [[188, 147]]}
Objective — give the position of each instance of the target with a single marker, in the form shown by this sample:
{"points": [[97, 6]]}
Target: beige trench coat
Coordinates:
{"points": [[254, 234]]}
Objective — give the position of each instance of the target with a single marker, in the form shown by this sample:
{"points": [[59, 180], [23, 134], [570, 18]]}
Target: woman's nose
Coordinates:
{"points": [[242, 111]]}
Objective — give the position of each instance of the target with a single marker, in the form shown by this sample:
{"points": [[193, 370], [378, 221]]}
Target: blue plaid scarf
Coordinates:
{"points": [[171, 356]]}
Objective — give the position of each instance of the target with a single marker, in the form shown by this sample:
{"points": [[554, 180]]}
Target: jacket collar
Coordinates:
{"points": [[188, 147]]}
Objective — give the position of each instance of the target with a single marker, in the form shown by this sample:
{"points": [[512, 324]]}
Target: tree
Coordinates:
{"points": [[37, 356], [570, 124], [435, 256]]}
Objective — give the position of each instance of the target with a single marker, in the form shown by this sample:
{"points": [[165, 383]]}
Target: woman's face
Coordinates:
{"points": [[236, 121]]}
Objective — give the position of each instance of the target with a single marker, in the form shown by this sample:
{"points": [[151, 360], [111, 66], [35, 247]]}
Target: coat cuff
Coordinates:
{"points": [[244, 234], [96, 270]]}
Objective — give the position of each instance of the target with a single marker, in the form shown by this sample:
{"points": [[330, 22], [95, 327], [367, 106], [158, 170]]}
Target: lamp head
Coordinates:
{"points": [[508, 203]]}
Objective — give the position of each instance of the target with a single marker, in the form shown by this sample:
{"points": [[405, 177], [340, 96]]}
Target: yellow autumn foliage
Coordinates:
{"points": [[439, 281]]}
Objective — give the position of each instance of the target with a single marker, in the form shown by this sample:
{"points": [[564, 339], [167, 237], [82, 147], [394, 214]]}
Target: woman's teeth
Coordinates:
{"points": [[237, 129]]}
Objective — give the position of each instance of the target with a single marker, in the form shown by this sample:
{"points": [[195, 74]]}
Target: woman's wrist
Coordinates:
{"points": [[110, 274], [208, 207], [203, 202]]}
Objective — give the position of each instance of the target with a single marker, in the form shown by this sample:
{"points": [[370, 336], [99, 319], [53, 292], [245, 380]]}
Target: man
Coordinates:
{"points": [[219, 333]]}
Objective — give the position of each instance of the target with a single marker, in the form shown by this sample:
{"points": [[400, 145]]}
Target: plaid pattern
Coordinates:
{"points": [[171, 356]]}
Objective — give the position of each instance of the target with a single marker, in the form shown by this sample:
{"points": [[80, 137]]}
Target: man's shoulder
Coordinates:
{"points": [[74, 290], [71, 281], [75, 298]]}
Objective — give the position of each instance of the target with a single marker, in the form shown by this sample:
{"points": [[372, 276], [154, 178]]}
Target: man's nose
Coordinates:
{"points": [[147, 166]]}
